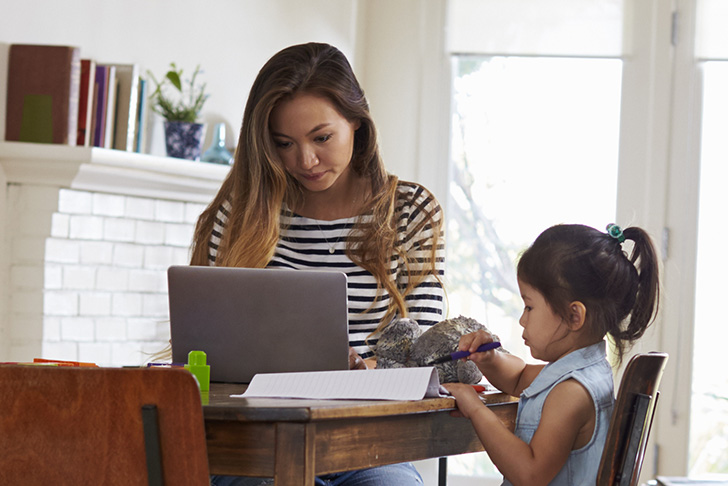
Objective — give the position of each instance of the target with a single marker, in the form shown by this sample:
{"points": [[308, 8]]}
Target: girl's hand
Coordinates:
{"points": [[471, 342], [467, 399]]}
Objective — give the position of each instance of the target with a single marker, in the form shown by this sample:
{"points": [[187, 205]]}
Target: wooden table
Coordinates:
{"points": [[294, 440]]}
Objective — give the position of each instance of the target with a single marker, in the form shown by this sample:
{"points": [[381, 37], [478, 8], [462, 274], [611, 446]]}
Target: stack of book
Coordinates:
{"points": [[55, 96]]}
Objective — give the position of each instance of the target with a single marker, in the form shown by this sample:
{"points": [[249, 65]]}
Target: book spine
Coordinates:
{"points": [[73, 96], [131, 117], [110, 116], [86, 102], [141, 125], [101, 87], [127, 76], [42, 94]]}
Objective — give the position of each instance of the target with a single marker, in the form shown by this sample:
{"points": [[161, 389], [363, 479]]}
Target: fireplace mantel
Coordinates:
{"points": [[110, 171], [86, 237]]}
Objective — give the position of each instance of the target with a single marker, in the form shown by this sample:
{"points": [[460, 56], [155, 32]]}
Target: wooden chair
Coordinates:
{"points": [[65, 425], [631, 422]]}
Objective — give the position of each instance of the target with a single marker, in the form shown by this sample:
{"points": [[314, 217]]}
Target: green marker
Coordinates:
{"points": [[197, 365]]}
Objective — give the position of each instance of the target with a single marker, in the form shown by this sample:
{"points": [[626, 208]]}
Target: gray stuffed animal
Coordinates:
{"points": [[403, 344]]}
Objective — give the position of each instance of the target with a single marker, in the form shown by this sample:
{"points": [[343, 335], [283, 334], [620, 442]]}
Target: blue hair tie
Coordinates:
{"points": [[615, 232]]}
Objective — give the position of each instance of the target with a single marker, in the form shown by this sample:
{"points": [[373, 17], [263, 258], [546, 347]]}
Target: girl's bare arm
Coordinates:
{"points": [[567, 419]]}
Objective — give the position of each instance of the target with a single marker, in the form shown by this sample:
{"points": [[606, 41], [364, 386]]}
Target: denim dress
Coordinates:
{"points": [[588, 366]]}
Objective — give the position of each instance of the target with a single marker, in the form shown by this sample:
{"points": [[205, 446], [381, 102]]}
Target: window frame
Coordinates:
{"points": [[658, 185]]}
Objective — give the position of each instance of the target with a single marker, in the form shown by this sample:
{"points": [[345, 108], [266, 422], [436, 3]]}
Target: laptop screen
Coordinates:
{"points": [[251, 321]]}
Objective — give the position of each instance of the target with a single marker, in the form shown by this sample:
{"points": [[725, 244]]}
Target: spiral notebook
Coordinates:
{"points": [[251, 321]]}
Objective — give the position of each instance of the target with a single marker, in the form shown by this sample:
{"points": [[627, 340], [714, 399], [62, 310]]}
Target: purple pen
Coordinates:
{"points": [[461, 354]]}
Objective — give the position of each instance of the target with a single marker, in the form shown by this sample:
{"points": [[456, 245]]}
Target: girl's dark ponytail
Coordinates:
{"points": [[644, 258]]}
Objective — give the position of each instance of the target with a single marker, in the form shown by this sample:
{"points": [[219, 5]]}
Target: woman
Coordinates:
{"points": [[308, 190]]}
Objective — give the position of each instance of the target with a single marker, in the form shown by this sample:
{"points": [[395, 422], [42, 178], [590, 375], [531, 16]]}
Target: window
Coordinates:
{"points": [[709, 398], [661, 71], [534, 142], [709, 406]]}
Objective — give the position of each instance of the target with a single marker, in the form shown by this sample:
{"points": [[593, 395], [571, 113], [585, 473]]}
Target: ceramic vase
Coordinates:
{"points": [[217, 153], [184, 140]]}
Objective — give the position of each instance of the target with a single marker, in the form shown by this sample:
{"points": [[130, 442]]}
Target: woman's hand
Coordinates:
{"points": [[355, 361]]}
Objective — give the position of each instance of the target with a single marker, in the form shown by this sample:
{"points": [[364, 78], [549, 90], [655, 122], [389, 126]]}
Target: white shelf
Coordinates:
{"points": [[110, 171]]}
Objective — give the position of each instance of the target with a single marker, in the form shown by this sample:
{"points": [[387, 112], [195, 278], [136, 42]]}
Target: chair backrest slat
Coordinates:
{"points": [[631, 421]]}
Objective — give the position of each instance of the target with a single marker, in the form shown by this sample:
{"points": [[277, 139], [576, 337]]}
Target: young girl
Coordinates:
{"points": [[578, 285]]}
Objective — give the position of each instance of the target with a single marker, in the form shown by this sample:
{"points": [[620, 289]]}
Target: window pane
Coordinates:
{"points": [[527, 27], [534, 143], [709, 407]]}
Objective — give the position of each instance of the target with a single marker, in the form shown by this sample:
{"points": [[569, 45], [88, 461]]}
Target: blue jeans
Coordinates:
{"points": [[403, 474]]}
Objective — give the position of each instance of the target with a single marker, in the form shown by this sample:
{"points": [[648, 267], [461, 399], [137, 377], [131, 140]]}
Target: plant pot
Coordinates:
{"points": [[183, 139]]}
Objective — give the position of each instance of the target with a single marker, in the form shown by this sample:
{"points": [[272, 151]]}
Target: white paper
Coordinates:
{"points": [[376, 384]]}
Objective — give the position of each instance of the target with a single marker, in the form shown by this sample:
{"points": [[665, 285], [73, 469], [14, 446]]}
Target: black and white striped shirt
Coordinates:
{"points": [[307, 243]]}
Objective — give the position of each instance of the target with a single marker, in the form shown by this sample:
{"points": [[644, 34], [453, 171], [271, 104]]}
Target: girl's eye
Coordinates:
{"points": [[527, 308], [323, 138]]}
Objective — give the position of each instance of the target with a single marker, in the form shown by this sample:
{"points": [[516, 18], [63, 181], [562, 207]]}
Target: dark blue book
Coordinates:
{"points": [[101, 93], [141, 124]]}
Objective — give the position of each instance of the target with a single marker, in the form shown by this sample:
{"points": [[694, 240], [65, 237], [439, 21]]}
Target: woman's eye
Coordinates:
{"points": [[527, 308], [281, 144], [323, 138]]}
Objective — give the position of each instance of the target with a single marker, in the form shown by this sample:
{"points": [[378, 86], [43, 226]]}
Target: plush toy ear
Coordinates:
{"points": [[577, 315]]}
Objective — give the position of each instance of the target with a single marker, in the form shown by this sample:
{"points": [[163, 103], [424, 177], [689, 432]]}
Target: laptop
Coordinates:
{"points": [[251, 321]]}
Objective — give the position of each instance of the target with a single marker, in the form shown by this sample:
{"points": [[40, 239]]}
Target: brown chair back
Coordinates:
{"points": [[631, 421], [65, 425]]}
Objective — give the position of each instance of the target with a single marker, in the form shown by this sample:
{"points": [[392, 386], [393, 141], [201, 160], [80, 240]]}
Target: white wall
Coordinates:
{"points": [[405, 73], [395, 47], [231, 39]]}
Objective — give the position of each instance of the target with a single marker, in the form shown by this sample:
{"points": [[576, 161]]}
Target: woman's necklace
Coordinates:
{"points": [[332, 245]]}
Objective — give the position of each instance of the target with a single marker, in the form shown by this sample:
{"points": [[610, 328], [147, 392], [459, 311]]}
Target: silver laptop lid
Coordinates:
{"points": [[252, 321]]}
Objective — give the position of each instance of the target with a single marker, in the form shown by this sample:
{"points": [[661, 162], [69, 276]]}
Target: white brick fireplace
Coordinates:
{"points": [[87, 237]]}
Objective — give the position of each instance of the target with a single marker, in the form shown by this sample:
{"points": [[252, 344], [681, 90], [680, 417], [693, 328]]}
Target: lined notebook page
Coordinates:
{"points": [[376, 384]]}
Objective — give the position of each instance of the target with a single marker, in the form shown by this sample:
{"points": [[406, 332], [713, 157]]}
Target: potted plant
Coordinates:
{"points": [[180, 101]]}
